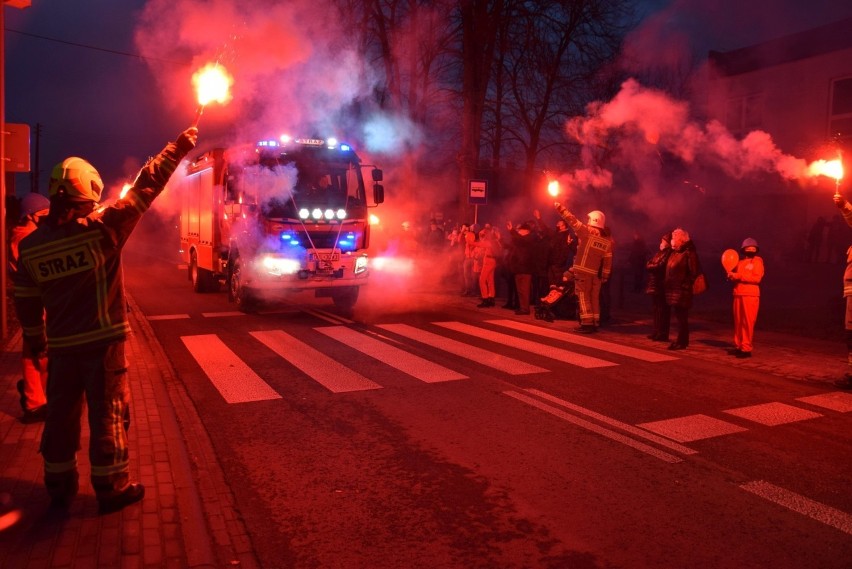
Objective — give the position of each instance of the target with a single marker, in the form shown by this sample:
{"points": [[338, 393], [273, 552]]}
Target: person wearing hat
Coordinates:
{"points": [[656, 267], [746, 276], [33, 383]]}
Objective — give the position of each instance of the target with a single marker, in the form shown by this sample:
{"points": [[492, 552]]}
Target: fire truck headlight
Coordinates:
{"points": [[304, 213], [277, 266], [341, 214], [316, 213], [360, 264], [329, 214]]}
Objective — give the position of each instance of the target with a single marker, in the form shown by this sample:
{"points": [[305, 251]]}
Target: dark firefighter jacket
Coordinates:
{"points": [[594, 247], [72, 271]]}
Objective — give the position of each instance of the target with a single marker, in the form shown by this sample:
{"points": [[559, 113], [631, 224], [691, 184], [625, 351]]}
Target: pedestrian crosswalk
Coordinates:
{"points": [[412, 350]]}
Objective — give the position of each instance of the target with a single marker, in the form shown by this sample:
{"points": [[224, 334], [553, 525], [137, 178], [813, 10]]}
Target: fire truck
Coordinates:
{"points": [[277, 217]]}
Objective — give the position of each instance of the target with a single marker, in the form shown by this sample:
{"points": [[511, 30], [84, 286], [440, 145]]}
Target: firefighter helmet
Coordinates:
{"points": [[77, 180], [749, 242], [597, 219], [33, 202]]}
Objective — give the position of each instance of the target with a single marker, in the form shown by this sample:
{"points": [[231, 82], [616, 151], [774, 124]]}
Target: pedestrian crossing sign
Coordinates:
{"points": [[478, 191]]}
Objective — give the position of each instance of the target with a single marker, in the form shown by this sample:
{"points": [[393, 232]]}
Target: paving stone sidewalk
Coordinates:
{"points": [[186, 519]]}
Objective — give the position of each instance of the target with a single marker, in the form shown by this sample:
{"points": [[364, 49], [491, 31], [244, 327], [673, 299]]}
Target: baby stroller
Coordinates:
{"points": [[560, 302]]}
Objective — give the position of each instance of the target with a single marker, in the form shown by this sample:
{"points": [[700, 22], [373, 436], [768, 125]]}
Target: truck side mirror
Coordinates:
{"points": [[378, 175], [378, 193]]}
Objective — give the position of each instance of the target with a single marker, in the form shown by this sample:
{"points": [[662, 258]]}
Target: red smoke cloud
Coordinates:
{"points": [[640, 121]]}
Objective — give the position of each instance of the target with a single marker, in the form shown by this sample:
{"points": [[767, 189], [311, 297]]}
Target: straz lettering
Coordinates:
{"points": [[62, 264], [600, 245]]}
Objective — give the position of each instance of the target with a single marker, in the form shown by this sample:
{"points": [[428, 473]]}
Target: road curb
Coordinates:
{"points": [[207, 516]]}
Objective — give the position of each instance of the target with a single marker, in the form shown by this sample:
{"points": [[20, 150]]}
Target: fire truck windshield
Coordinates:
{"points": [[286, 184]]}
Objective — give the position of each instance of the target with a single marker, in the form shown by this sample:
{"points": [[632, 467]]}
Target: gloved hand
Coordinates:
{"points": [[187, 139], [839, 201]]}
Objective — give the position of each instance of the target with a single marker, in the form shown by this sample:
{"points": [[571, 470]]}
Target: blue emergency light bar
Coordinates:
{"points": [[331, 143]]}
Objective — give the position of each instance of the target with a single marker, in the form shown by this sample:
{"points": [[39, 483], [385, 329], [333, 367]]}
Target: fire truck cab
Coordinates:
{"points": [[277, 217]]}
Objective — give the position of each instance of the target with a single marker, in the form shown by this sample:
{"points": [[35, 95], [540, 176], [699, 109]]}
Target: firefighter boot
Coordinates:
{"points": [[130, 495], [62, 489]]}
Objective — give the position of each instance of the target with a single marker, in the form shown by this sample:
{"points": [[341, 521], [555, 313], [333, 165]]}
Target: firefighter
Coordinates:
{"points": [[33, 384], [592, 264], [746, 277], [846, 210], [70, 271]]}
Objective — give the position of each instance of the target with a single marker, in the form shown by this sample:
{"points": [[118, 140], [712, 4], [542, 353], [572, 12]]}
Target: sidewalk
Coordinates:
{"points": [[187, 517]]}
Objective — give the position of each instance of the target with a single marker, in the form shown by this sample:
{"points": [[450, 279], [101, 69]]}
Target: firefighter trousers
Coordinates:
{"points": [[745, 316], [99, 375], [588, 290]]}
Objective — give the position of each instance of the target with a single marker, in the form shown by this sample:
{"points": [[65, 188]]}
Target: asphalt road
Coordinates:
{"points": [[420, 433]]}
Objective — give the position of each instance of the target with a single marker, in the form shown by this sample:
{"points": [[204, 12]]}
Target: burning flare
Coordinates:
{"points": [[553, 188], [212, 83], [830, 168]]}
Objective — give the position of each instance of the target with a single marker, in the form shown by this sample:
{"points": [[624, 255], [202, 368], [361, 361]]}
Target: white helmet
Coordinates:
{"points": [[76, 179], [597, 219]]}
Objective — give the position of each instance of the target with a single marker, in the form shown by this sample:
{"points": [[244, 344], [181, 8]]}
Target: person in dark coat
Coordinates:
{"points": [[656, 267], [521, 263], [682, 268]]}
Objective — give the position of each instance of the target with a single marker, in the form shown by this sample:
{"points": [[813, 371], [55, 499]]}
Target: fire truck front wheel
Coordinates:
{"points": [[202, 279], [238, 293]]}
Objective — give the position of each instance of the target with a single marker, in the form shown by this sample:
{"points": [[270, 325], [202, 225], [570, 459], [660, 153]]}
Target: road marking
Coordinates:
{"points": [[573, 338], [328, 372], [330, 316], [618, 437], [691, 428], [614, 422], [527, 345], [227, 372], [418, 367], [799, 504], [772, 414], [835, 401], [222, 314], [168, 317], [478, 355]]}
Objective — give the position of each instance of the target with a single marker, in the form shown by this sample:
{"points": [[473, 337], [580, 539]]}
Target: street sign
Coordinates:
{"points": [[17, 147], [478, 192]]}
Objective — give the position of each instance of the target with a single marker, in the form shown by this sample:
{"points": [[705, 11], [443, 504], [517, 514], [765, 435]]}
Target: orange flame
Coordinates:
{"points": [[124, 190], [830, 168], [212, 83]]}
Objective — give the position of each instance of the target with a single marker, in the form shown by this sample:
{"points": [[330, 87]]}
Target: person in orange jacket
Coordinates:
{"points": [[746, 277], [845, 208], [33, 384]]}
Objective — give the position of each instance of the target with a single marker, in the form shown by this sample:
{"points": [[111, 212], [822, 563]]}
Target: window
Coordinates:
{"points": [[840, 118], [744, 114]]}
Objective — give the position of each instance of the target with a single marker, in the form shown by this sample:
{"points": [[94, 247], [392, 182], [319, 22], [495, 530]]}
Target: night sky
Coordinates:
{"points": [[81, 83]]}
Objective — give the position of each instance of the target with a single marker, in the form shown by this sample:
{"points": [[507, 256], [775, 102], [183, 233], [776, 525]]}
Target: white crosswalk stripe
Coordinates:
{"points": [[327, 371], [415, 366], [234, 379], [479, 355], [580, 340], [527, 345]]}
